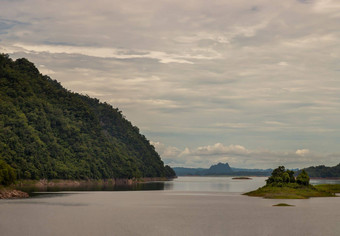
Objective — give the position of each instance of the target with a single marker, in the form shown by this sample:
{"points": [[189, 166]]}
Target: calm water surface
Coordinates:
{"points": [[214, 184], [185, 206]]}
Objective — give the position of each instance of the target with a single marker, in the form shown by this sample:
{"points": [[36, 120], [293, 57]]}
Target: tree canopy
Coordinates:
{"points": [[7, 174], [324, 171], [280, 177]]}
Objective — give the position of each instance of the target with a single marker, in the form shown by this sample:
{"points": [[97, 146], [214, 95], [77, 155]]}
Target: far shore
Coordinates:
{"points": [[335, 178]]}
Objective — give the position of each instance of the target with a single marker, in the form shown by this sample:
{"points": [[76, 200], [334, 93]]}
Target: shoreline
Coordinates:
{"points": [[78, 183], [13, 192]]}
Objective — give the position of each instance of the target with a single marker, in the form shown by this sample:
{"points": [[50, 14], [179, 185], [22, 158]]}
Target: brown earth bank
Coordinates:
{"points": [[12, 193]]}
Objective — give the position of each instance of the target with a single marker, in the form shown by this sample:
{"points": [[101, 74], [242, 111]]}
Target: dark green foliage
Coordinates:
{"points": [[291, 176], [280, 176], [169, 172], [324, 171], [303, 178], [7, 174], [49, 132]]}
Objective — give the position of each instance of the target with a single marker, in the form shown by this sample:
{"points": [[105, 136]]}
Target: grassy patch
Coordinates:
{"points": [[331, 188], [289, 192], [283, 205]]}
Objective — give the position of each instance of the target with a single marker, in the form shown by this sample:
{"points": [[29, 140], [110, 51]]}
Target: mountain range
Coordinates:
{"points": [[221, 169]]}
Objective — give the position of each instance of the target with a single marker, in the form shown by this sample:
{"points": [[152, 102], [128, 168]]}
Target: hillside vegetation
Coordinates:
{"points": [[324, 171], [50, 132]]}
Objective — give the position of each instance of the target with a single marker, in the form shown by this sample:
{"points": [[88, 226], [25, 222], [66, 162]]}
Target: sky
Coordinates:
{"points": [[252, 83]]}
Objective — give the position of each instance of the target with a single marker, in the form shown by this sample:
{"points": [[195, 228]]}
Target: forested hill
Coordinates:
{"points": [[323, 171], [49, 132]]}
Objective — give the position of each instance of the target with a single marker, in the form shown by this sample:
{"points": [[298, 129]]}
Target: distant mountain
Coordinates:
{"points": [[323, 171], [221, 169], [49, 132], [182, 171], [247, 170]]}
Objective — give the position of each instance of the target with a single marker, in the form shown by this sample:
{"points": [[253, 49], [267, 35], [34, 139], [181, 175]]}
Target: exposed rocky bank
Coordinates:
{"points": [[12, 193]]}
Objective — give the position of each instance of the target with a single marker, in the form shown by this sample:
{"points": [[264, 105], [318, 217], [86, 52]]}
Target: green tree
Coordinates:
{"points": [[281, 176], [7, 174], [303, 178], [285, 177], [277, 175], [169, 172], [291, 176]]}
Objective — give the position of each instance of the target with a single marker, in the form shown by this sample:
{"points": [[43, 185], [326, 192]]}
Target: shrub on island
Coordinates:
{"points": [[281, 177]]}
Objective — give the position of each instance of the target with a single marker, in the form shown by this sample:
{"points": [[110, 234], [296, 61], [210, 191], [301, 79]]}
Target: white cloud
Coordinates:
{"points": [[44, 70], [327, 6], [302, 152], [283, 63], [106, 53], [166, 151], [312, 41], [219, 148]]}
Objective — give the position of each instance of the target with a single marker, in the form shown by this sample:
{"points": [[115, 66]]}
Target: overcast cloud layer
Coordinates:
{"points": [[252, 83]]}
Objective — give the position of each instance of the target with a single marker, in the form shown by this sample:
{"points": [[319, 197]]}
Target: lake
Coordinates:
{"points": [[185, 206]]}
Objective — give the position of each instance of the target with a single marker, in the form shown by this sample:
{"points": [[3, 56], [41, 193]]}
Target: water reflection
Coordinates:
{"points": [[34, 191], [214, 184], [196, 184]]}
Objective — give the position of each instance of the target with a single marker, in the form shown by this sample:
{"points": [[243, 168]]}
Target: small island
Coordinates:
{"points": [[283, 205], [282, 184], [242, 177]]}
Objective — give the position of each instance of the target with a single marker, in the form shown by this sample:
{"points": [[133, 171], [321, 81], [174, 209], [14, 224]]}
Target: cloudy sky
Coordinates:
{"points": [[253, 83]]}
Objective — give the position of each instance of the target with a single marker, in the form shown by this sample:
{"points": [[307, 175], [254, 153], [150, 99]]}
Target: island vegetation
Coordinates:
{"points": [[48, 132], [282, 184], [283, 205]]}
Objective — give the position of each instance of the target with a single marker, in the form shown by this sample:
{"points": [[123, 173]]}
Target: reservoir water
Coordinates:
{"points": [[210, 184], [185, 206]]}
